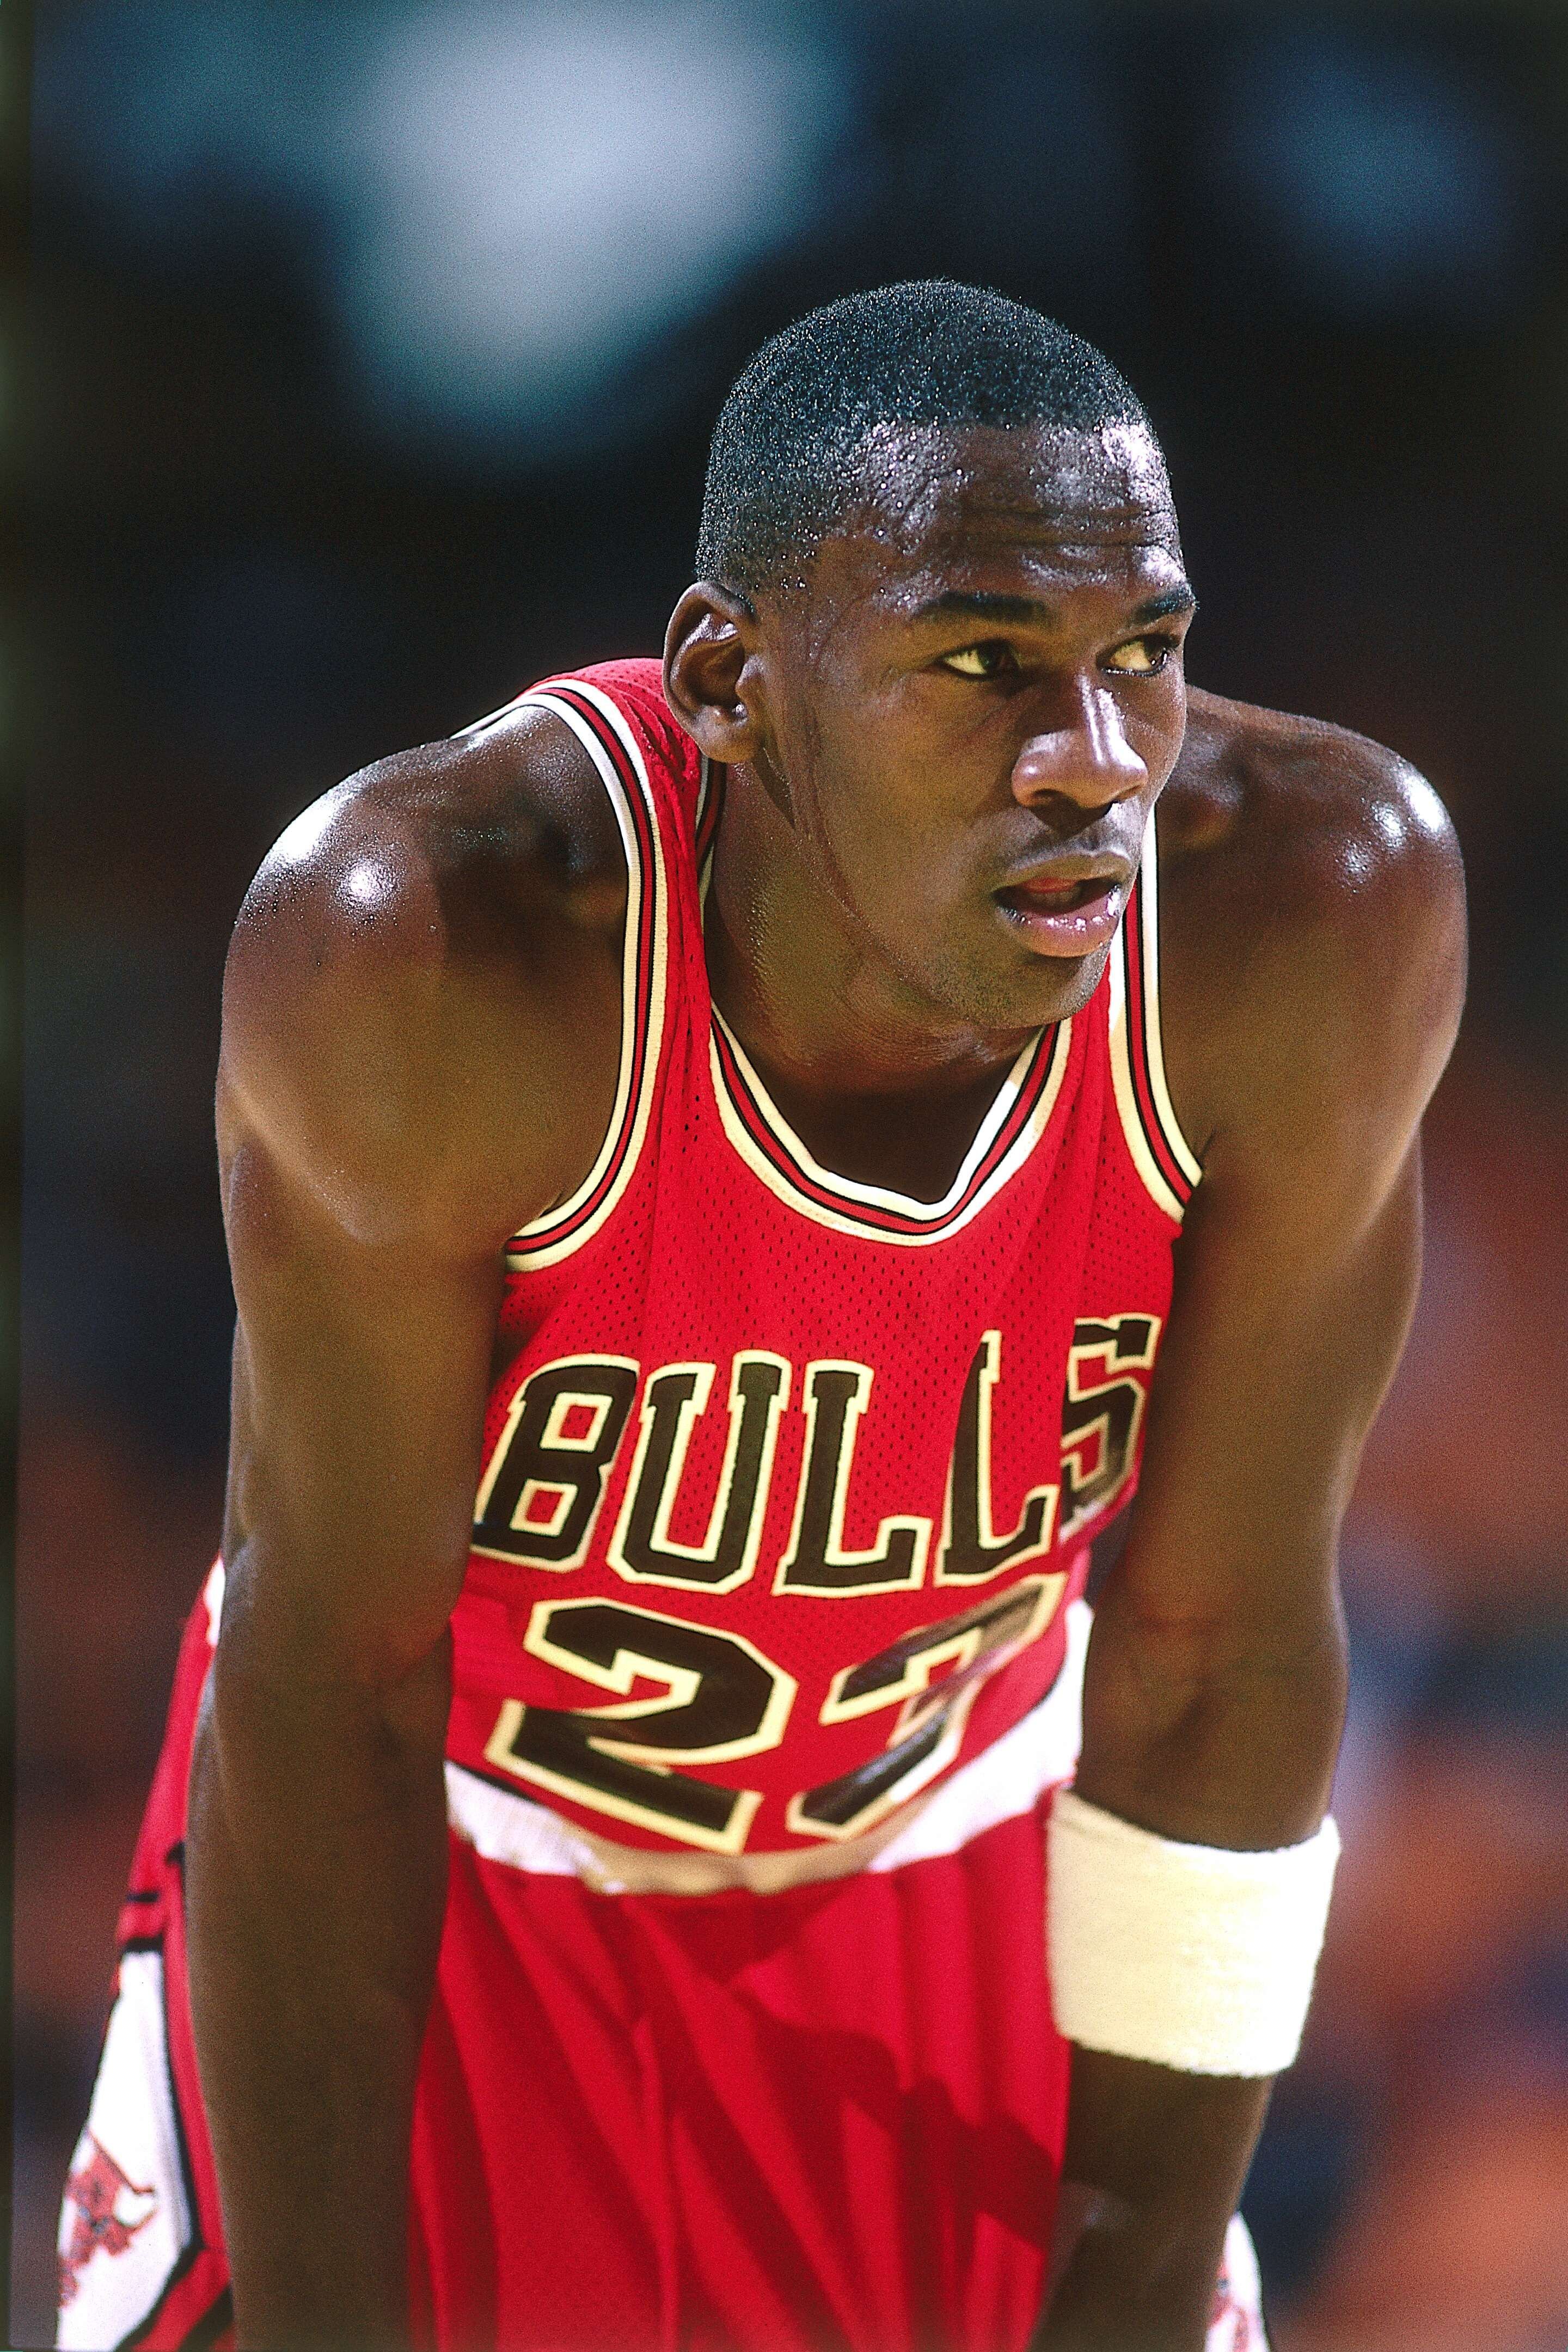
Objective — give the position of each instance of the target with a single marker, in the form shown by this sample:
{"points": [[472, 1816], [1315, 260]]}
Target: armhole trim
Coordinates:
{"points": [[601, 728], [1161, 1153]]}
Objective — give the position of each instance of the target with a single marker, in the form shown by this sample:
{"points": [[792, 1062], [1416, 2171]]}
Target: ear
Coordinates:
{"points": [[710, 673]]}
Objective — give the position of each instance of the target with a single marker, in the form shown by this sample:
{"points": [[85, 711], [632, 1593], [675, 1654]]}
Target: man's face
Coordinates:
{"points": [[975, 699]]}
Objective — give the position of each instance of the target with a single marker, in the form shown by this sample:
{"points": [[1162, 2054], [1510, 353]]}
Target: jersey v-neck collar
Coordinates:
{"points": [[770, 1146]]}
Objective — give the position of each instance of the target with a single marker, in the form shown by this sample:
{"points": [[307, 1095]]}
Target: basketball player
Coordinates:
{"points": [[790, 1137]]}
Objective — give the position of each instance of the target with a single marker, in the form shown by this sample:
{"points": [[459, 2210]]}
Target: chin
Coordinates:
{"points": [[1028, 994], [1075, 981]]}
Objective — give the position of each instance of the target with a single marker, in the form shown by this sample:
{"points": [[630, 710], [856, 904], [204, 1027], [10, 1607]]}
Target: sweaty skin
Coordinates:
{"points": [[943, 744]]}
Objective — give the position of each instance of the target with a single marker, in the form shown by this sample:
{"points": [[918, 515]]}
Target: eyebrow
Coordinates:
{"points": [[1034, 611]]}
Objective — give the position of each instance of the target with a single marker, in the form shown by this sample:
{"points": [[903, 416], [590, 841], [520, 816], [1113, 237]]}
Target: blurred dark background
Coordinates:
{"points": [[375, 346]]}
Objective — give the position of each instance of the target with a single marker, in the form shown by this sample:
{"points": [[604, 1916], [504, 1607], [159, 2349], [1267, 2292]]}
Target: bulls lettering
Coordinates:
{"points": [[816, 1560], [972, 1551], [642, 1548], [540, 1495], [539, 1498], [1102, 1412]]}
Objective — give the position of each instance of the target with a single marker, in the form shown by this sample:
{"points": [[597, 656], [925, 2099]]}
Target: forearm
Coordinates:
{"points": [[316, 1869], [1207, 1743]]}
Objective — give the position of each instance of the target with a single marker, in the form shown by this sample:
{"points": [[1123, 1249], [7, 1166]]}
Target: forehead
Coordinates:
{"points": [[984, 506]]}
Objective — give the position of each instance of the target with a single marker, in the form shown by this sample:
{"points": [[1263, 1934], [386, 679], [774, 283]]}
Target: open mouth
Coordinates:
{"points": [[1046, 898], [1073, 915]]}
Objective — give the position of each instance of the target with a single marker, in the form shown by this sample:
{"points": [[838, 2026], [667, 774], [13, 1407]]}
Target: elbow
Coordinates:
{"points": [[305, 1603], [1172, 1663], [1210, 1731], [312, 1670]]}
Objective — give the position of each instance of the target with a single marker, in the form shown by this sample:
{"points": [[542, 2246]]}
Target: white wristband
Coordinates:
{"points": [[1192, 1956]]}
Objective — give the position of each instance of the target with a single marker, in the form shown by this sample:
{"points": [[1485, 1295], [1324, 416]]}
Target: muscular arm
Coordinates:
{"points": [[1214, 1690], [420, 1026]]}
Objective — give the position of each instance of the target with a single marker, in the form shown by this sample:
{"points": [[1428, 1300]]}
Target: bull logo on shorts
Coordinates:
{"points": [[108, 2209]]}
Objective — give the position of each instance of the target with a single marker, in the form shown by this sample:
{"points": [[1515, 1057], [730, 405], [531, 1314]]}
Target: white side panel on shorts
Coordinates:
{"points": [[126, 2218]]}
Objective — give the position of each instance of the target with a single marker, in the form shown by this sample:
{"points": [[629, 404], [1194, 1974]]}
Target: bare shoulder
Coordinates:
{"points": [[1313, 922], [421, 1007]]}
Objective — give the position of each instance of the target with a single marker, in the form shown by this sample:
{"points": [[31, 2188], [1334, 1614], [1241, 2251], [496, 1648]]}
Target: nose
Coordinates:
{"points": [[1088, 761]]}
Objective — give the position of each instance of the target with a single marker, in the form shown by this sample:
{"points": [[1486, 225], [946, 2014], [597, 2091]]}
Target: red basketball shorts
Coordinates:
{"points": [[829, 2117]]}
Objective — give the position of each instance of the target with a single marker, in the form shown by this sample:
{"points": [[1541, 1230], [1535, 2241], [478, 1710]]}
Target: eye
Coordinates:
{"points": [[1141, 656], [993, 658]]}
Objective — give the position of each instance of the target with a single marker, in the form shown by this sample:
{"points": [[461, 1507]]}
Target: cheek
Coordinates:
{"points": [[895, 852], [1156, 721], [884, 822]]}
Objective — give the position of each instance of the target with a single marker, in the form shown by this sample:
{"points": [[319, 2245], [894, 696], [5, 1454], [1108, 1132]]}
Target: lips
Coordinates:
{"points": [[1070, 914]]}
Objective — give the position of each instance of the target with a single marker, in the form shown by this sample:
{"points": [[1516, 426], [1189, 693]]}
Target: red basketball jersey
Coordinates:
{"points": [[791, 1479]]}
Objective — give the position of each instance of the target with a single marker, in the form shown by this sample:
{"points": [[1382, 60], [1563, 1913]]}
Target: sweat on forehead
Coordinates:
{"points": [[922, 485], [871, 402]]}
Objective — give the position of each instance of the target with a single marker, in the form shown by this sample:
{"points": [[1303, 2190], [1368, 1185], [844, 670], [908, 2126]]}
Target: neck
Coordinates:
{"points": [[821, 1012]]}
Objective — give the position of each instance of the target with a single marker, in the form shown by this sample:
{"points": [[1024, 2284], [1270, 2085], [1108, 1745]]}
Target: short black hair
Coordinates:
{"points": [[788, 452]]}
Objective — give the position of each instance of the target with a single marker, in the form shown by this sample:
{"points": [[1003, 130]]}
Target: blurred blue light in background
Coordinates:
{"points": [[534, 203], [1378, 172], [511, 203]]}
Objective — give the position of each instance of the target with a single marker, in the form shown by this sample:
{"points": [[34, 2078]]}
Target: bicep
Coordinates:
{"points": [[1290, 1307], [1318, 969], [361, 1375]]}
